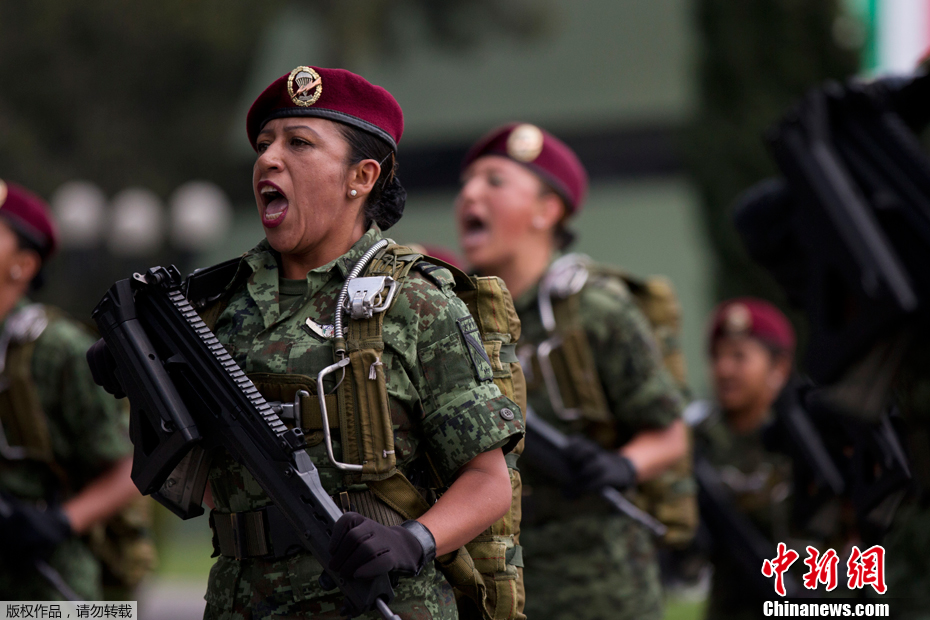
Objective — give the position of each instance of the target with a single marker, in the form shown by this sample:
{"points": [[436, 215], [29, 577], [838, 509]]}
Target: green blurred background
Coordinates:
{"points": [[664, 100]]}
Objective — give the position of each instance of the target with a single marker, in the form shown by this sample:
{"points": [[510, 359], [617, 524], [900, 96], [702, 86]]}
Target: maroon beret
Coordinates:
{"points": [[541, 152], [756, 318], [29, 216], [335, 94]]}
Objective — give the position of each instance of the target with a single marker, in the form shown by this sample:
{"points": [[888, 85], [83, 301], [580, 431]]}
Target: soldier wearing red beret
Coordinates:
{"points": [[608, 386], [325, 187], [751, 349], [64, 446], [751, 346]]}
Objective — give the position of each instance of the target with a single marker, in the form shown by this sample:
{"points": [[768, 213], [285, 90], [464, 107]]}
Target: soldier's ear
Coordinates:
{"points": [[25, 265], [781, 372], [549, 212], [361, 177]]}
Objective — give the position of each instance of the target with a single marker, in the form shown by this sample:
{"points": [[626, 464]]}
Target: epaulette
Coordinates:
{"points": [[438, 274]]}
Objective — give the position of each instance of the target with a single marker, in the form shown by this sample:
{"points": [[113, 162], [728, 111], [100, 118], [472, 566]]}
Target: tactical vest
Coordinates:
{"points": [[486, 574], [122, 543], [568, 373]]}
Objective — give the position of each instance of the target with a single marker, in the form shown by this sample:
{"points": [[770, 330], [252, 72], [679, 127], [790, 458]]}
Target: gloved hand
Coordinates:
{"points": [[103, 368], [27, 532], [594, 468], [363, 549]]}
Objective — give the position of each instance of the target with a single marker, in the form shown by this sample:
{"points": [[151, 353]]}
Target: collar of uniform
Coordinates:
{"points": [[21, 303], [263, 283], [345, 262]]}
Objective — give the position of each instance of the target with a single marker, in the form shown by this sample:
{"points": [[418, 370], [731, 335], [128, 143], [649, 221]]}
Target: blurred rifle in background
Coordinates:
{"points": [[846, 233]]}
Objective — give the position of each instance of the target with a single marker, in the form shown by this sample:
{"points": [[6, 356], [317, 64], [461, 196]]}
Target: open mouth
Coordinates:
{"points": [[474, 230], [274, 204]]}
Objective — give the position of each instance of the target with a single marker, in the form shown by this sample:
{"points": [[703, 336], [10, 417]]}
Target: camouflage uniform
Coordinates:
{"points": [[582, 560], [760, 482], [88, 432], [437, 407]]}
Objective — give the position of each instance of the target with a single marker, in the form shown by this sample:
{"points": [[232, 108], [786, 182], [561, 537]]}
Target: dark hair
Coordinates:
{"points": [[385, 203], [25, 243], [564, 236]]}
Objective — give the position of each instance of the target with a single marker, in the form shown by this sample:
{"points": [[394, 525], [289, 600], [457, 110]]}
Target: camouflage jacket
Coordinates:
{"points": [[760, 484], [759, 479], [608, 560], [88, 430], [437, 406], [640, 392]]}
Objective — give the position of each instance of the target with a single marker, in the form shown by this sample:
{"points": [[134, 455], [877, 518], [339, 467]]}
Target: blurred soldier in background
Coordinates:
{"points": [[751, 351], [846, 233], [604, 380], [64, 446]]}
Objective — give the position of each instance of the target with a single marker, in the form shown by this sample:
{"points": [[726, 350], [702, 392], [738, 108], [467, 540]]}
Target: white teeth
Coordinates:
{"points": [[273, 216], [268, 190]]}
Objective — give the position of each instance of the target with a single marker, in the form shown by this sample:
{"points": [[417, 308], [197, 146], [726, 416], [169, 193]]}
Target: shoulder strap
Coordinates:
{"points": [[25, 433], [364, 420]]}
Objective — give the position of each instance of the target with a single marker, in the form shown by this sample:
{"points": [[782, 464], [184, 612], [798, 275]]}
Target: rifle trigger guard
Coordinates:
{"points": [[324, 414]]}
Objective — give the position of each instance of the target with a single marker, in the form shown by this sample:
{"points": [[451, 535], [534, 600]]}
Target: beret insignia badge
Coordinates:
{"points": [[738, 319], [305, 86], [525, 143]]}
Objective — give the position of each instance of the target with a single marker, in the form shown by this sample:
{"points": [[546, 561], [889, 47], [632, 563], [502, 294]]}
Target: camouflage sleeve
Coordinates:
{"points": [[89, 427], [464, 413], [640, 392]]}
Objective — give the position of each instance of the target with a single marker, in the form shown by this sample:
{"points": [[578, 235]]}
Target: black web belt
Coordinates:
{"points": [[265, 533]]}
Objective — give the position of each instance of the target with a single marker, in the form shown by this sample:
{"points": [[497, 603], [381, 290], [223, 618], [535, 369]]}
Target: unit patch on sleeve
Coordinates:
{"points": [[479, 357]]}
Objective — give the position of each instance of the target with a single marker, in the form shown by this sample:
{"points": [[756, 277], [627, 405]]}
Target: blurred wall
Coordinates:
{"points": [[611, 78]]}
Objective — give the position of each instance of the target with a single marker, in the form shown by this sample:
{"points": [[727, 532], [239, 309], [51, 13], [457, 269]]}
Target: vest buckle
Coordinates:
{"points": [[366, 296]]}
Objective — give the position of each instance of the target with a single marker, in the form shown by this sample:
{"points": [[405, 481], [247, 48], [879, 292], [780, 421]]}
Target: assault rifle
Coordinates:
{"points": [[734, 534], [187, 398], [729, 530], [839, 456], [545, 449], [846, 230]]}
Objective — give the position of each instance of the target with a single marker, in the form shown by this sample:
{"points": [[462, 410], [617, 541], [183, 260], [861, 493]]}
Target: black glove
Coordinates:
{"points": [[594, 468], [28, 532], [363, 549], [103, 368]]}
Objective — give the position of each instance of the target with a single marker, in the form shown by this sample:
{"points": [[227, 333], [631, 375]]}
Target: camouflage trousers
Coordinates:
{"points": [[288, 588], [20, 581], [593, 567]]}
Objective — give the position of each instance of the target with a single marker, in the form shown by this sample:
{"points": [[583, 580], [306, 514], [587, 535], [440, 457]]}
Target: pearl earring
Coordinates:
{"points": [[538, 223], [353, 193], [16, 272]]}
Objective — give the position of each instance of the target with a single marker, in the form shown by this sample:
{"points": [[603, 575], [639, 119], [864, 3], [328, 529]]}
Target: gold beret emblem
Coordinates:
{"points": [[738, 319], [525, 142], [2, 193], [305, 86]]}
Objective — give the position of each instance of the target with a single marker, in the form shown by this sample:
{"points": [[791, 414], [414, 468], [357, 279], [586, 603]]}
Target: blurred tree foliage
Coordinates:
{"points": [[755, 59], [362, 29], [144, 93], [122, 92]]}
